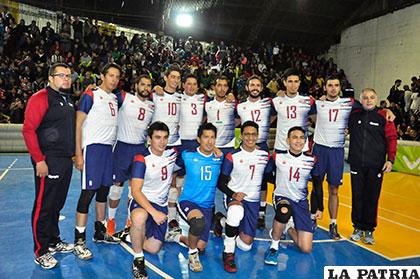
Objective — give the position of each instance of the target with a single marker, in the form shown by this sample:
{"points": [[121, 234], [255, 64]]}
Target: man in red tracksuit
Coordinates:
{"points": [[48, 131], [373, 146]]}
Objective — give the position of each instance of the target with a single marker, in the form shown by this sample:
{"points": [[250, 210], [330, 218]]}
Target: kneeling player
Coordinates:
{"points": [[243, 173], [151, 177], [196, 203], [293, 169]]}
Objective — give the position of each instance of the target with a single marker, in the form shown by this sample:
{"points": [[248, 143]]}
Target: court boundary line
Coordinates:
{"points": [[406, 258], [147, 263], [17, 169], [8, 169]]}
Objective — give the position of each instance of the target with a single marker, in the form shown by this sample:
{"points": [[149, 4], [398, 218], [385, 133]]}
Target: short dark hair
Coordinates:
{"points": [[332, 77], [173, 68], [157, 126], [221, 78], [142, 76], [206, 126], [249, 124], [108, 66], [295, 128], [290, 72], [190, 76], [51, 71], [398, 81], [254, 77]]}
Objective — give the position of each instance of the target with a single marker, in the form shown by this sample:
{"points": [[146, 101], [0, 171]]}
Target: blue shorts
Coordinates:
{"points": [[263, 146], [152, 229], [248, 224], [329, 161], [300, 213], [97, 167], [184, 207], [122, 159]]}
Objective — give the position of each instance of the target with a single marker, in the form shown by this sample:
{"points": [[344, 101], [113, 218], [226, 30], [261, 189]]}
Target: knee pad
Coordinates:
{"points": [[173, 195], [197, 225], [102, 194], [283, 211], [235, 214], [242, 245], [85, 198], [180, 182], [231, 231], [115, 192]]}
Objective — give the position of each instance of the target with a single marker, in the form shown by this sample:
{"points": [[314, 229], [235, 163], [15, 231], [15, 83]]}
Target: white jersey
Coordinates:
{"points": [[167, 110], [246, 171], [222, 115], [292, 174], [291, 112], [134, 116], [192, 111], [100, 125], [258, 112], [156, 172], [331, 121]]}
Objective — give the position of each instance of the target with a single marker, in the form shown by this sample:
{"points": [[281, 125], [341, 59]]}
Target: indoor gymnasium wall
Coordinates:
{"points": [[377, 52]]}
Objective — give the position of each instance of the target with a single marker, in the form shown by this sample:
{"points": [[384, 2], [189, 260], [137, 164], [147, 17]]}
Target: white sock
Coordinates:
{"points": [[263, 203], [223, 222], [275, 244], [81, 229], [138, 255], [111, 212], [171, 213], [103, 222], [333, 221], [229, 243], [192, 251], [313, 216]]}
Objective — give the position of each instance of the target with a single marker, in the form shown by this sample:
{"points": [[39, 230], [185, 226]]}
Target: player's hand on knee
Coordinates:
{"points": [[41, 169], [159, 217], [318, 215], [78, 162], [239, 196]]}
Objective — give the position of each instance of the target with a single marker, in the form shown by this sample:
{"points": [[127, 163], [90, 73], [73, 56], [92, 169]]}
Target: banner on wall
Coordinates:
{"points": [[408, 159]]}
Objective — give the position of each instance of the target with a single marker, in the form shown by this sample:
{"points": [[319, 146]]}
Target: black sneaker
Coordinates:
{"points": [[123, 235], [218, 229], [139, 269], [102, 236], [333, 232], [261, 223]]}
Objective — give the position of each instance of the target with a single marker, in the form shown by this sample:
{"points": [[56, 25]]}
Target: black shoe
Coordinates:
{"points": [[261, 223], [218, 229], [229, 262], [102, 236], [333, 232], [138, 268], [123, 235]]}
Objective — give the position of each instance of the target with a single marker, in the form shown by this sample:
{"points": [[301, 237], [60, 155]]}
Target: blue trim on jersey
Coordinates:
{"points": [[86, 103]]}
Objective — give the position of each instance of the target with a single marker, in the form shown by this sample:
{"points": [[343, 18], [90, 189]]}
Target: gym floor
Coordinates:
{"points": [[397, 237]]}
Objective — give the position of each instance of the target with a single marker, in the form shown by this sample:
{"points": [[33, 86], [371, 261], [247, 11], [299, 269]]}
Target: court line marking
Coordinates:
{"points": [[18, 169], [406, 258], [148, 264], [7, 169]]}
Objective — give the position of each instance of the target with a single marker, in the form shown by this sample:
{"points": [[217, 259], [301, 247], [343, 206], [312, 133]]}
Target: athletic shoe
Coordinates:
{"points": [[46, 261], [368, 239], [123, 235], [110, 227], [271, 256], [218, 229], [102, 236], [194, 262], [172, 235], [81, 251], [229, 262], [334, 232], [356, 235], [261, 223], [61, 247], [173, 225], [139, 269]]}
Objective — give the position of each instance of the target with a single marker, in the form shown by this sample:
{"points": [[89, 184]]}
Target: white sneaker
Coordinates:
{"points": [[194, 262], [61, 247], [81, 251], [46, 261]]}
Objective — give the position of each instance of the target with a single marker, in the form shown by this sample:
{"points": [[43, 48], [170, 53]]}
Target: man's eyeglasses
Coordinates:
{"points": [[61, 75]]}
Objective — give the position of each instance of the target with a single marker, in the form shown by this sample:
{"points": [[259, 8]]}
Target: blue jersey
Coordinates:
{"points": [[202, 173]]}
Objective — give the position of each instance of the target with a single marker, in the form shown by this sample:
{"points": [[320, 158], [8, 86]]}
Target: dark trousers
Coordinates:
{"points": [[50, 196], [366, 186]]}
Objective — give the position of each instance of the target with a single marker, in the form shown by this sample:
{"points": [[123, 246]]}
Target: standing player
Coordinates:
{"points": [[260, 111], [48, 131], [96, 130], [196, 203], [293, 170], [134, 116], [151, 178], [222, 114], [243, 172]]}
